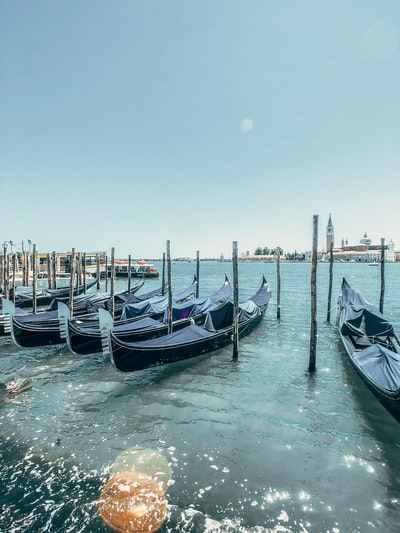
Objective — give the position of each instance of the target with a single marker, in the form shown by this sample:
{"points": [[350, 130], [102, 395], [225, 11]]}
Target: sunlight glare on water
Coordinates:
{"points": [[256, 444]]}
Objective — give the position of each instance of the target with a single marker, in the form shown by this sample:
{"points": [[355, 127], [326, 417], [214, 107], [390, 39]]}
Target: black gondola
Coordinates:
{"points": [[191, 341], [43, 328], [371, 345], [84, 337], [24, 296]]}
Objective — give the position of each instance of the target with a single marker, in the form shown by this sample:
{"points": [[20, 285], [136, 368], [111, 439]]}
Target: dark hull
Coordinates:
{"points": [[29, 336], [133, 358], [84, 340], [87, 342]]}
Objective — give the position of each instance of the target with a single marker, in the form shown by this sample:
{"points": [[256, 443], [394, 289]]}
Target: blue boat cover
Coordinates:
{"points": [[144, 323], [199, 306], [365, 321], [33, 318], [216, 321], [372, 335], [381, 365], [157, 304]]}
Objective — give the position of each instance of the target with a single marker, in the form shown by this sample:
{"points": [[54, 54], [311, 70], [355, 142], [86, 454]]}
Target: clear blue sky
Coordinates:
{"points": [[127, 123]]}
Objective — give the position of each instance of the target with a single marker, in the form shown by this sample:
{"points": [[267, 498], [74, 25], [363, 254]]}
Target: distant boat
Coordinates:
{"points": [[139, 269], [371, 345], [373, 263]]}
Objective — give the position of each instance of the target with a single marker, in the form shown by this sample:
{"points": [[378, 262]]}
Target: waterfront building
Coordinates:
{"points": [[363, 252]]}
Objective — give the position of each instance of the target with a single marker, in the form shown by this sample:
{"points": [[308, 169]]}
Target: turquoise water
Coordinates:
{"points": [[255, 444]]}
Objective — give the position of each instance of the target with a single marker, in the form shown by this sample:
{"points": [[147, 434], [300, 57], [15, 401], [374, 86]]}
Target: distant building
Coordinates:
{"points": [[330, 235], [364, 252]]}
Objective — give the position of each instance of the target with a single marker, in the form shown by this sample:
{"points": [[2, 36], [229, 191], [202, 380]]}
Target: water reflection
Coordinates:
{"points": [[256, 444]]}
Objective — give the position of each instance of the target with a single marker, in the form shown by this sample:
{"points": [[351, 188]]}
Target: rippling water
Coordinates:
{"points": [[255, 444]]}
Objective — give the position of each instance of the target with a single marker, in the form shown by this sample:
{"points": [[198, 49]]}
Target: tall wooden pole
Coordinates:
{"points": [[328, 315], [198, 273], [34, 278], [72, 282], [14, 275], [313, 335], [235, 332], [129, 271], [54, 270], [2, 273], [278, 283], [106, 267], [79, 270], [8, 275], [163, 276], [382, 275], [25, 278], [48, 265], [6, 286], [84, 271], [169, 287], [98, 271], [112, 279]]}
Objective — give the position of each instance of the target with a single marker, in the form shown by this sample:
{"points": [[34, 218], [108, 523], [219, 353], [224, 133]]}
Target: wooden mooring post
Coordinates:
{"points": [[163, 276], [313, 333], [6, 272], [54, 269], [26, 269], [235, 332], [72, 282], [129, 272], [2, 270], [84, 271], [106, 267], [278, 283], [79, 270], [169, 287], [48, 265], [198, 273], [98, 271], [14, 275], [112, 282], [34, 277], [328, 314], [382, 295]]}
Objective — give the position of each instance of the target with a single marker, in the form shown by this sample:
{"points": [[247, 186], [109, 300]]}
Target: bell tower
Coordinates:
{"points": [[330, 234]]}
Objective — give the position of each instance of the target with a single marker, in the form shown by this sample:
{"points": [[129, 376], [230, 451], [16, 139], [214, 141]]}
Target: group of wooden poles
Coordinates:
{"points": [[313, 335], [78, 276]]}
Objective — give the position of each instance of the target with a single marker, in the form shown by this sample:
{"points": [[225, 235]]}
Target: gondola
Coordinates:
{"points": [[43, 328], [84, 337], [371, 345], [24, 296], [191, 341]]}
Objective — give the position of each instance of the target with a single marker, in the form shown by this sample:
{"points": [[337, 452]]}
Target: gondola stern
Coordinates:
{"points": [[105, 325], [9, 311], [64, 316]]}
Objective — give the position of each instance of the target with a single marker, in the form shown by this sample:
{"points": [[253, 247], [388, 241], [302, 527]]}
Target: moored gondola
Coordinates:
{"points": [[371, 345], [43, 328], [23, 296], [191, 341], [84, 336]]}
